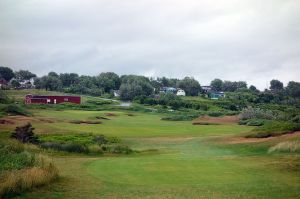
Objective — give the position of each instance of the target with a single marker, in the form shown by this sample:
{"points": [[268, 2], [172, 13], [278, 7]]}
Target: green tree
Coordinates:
{"points": [[133, 85], [229, 86], [276, 85], [51, 83], [15, 83], [293, 89], [6, 73], [216, 85], [241, 85], [108, 81], [24, 75], [53, 74], [69, 79], [190, 86], [253, 88]]}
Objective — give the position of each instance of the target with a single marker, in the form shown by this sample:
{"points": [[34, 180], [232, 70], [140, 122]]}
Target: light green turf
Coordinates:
{"points": [[183, 168], [122, 125]]}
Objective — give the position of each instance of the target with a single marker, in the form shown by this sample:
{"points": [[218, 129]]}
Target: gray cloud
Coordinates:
{"points": [[248, 40]]}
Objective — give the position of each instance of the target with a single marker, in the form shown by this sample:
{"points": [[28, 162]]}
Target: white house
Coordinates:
{"points": [[180, 92], [116, 93]]}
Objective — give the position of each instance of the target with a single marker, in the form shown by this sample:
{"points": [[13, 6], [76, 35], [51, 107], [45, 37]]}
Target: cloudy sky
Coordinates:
{"points": [[250, 40]]}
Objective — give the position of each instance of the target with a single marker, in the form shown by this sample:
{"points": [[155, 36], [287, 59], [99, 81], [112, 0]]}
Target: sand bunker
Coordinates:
{"points": [[85, 122]]}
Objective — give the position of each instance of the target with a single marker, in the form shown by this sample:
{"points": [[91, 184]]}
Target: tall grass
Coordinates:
{"points": [[288, 146], [17, 181]]}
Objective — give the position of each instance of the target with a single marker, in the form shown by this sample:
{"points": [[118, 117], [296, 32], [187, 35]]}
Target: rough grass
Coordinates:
{"points": [[287, 146], [18, 181], [273, 128], [22, 169]]}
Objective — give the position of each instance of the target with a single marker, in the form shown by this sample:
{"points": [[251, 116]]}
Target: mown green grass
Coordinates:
{"points": [[122, 125], [185, 168]]}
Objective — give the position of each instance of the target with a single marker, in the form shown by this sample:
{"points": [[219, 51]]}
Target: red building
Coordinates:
{"points": [[45, 99]]}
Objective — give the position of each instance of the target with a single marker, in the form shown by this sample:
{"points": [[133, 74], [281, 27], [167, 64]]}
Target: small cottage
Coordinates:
{"points": [[216, 95], [180, 92]]}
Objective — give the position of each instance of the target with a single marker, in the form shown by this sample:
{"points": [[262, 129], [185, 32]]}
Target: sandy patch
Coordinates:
{"points": [[111, 114], [85, 122], [204, 120]]}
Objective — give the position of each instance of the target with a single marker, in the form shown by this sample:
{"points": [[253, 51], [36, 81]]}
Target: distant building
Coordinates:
{"points": [[44, 99], [216, 95], [116, 93], [168, 90], [206, 89], [180, 92], [3, 83]]}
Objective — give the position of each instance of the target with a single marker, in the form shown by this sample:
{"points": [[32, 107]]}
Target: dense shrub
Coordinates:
{"points": [[215, 114], [3, 97], [179, 117], [25, 134], [13, 156], [68, 147], [173, 101], [255, 123], [100, 139], [14, 109], [99, 102], [256, 113], [95, 149], [274, 128]]}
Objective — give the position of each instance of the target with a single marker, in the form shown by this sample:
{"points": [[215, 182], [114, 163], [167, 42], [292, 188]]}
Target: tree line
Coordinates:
{"points": [[131, 86]]}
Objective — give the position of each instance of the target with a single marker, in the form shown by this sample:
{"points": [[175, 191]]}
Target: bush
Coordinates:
{"points": [[3, 97], [99, 102], [255, 122], [180, 117], [25, 134], [215, 114], [68, 147], [243, 122], [13, 156], [100, 139], [95, 149], [256, 113], [14, 109], [274, 128]]}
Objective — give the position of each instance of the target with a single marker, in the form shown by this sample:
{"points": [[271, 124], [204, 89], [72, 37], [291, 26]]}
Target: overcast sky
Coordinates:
{"points": [[251, 40]]}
